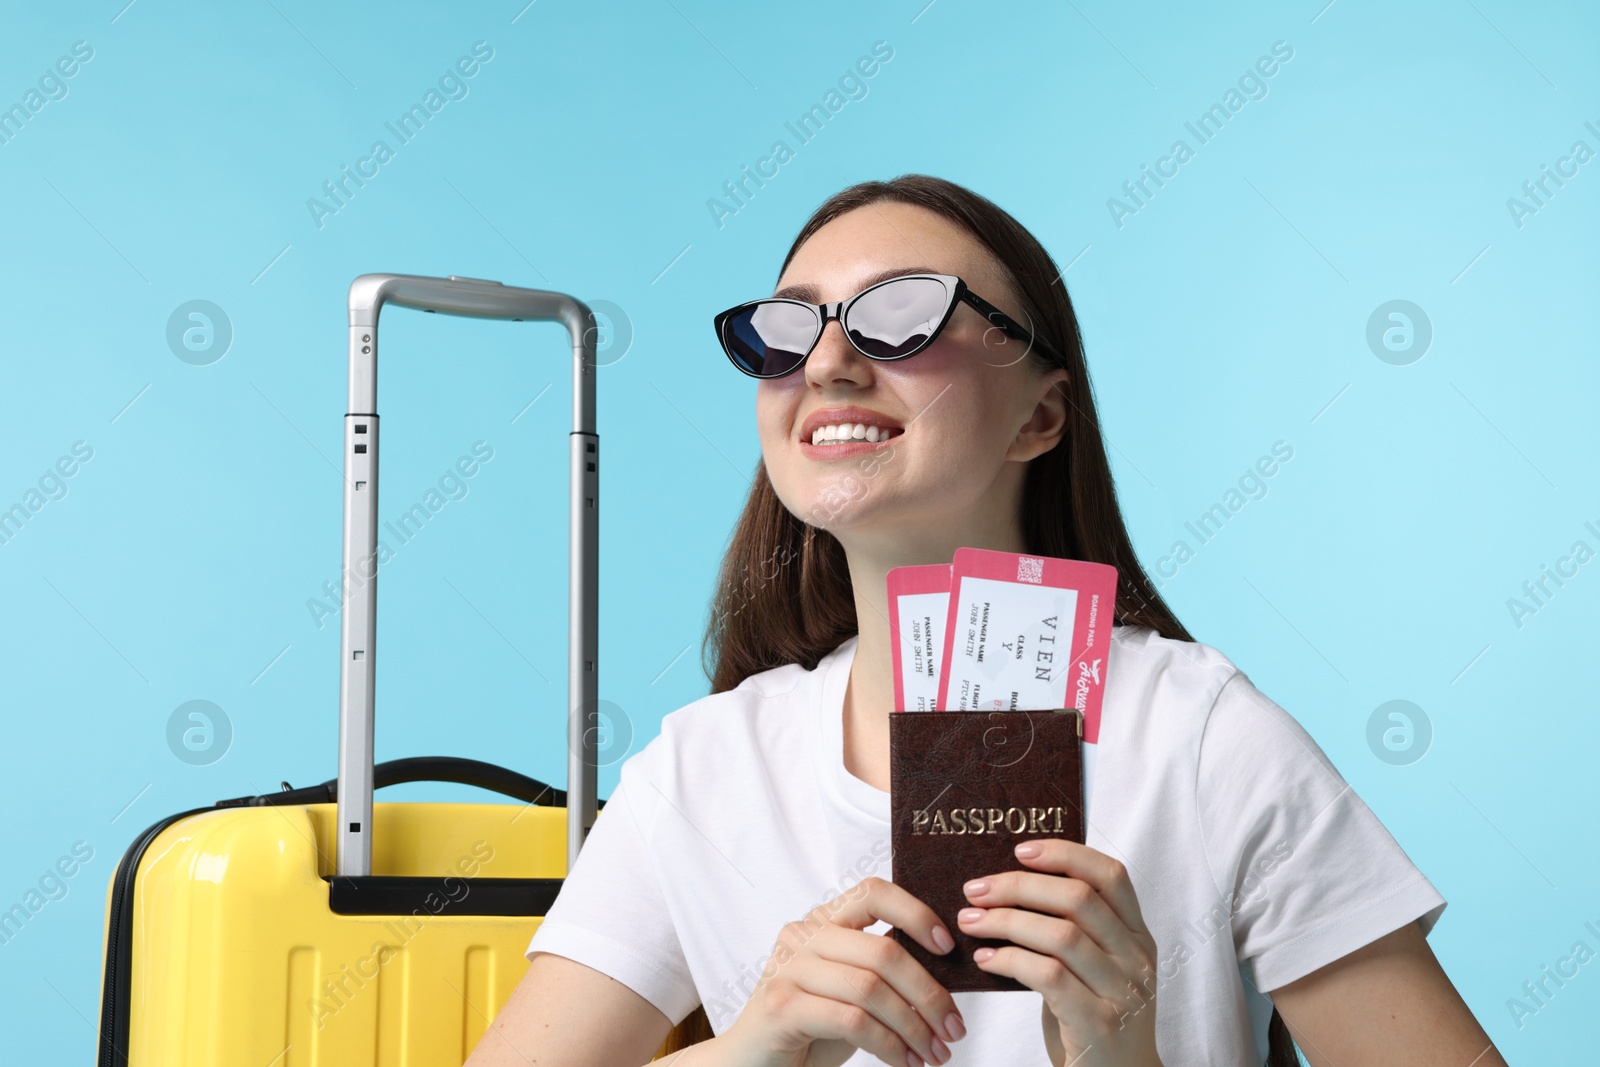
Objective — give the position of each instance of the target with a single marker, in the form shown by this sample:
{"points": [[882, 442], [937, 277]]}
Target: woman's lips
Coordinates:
{"points": [[846, 451]]}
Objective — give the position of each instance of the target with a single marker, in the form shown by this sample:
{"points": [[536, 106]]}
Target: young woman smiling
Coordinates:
{"points": [[735, 886]]}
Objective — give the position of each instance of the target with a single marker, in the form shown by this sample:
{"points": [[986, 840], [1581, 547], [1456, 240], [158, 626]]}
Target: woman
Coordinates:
{"points": [[740, 870]]}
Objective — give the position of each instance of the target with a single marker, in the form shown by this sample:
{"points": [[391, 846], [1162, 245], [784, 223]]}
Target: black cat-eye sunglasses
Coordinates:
{"points": [[893, 319]]}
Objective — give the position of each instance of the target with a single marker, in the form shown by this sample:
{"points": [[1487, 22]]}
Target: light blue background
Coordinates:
{"points": [[1227, 314]]}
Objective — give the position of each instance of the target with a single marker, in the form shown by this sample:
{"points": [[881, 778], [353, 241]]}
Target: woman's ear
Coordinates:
{"points": [[1047, 423]]}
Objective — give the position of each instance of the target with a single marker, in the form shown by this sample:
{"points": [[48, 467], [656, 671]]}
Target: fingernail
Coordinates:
{"points": [[942, 938], [912, 1059], [976, 887], [941, 1051], [983, 954], [954, 1027], [970, 915], [1028, 848]]}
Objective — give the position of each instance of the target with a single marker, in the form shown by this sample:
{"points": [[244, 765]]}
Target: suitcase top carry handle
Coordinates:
{"points": [[455, 769], [357, 668], [461, 296], [477, 298]]}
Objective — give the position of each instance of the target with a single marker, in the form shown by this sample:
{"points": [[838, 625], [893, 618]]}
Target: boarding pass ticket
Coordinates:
{"points": [[1026, 632], [919, 599]]}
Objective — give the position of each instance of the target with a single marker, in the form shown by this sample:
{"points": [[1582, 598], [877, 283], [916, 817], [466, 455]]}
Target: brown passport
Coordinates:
{"points": [[965, 787]]}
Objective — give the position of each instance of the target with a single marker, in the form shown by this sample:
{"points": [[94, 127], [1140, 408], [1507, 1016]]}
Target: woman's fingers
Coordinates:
{"points": [[860, 1005], [834, 930], [1075, 916], [1074, 925], [872, 899], [829, 982], [1050, 935], [1105, 875], [893, 969]]}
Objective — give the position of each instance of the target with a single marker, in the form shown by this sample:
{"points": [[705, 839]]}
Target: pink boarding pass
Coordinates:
{"points": [[1027, 632], [919, 598]]}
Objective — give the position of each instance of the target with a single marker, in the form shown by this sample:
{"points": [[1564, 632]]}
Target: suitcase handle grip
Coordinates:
{"points": [[472, 772], [455, 295]]}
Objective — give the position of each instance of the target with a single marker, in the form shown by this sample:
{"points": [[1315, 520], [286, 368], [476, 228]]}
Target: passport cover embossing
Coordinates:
{"points": [[965, 788]]}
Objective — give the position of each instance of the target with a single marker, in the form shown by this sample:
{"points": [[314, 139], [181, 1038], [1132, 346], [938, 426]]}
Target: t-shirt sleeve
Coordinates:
{"points": [[611, 914], [1307, 870]]}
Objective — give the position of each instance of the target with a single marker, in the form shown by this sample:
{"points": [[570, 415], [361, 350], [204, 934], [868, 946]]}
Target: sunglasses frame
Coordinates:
{"points": [[840, 309]]}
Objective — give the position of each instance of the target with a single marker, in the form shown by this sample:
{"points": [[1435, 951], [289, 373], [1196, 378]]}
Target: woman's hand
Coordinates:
{"points": [[830, 988], [1077, 938]]}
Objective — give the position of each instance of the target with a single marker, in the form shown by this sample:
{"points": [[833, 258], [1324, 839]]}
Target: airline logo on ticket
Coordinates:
{"points": [[1027, 633], [919, 600]]}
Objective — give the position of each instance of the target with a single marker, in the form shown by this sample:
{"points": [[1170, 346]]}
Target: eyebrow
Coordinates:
{"points": [[808, 292]]}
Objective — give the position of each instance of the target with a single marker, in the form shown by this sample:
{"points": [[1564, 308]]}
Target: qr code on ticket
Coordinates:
{"points": [[1030, 569]]}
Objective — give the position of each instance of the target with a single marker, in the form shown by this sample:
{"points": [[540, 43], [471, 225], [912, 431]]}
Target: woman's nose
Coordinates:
{"points": [[835, 357]]}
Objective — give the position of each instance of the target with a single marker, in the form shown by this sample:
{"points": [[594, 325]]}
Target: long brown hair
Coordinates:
{"points": [[783, 593]]}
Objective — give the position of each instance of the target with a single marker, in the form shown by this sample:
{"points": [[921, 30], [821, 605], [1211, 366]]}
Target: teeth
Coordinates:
{"points": [[849, 431]]}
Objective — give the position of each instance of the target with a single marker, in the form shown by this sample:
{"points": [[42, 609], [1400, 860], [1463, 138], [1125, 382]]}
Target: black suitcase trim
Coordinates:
{"points": [[449, 895], [119, 947]]}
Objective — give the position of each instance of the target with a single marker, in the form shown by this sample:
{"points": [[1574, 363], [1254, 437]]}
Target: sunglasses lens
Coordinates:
{"points": [[770, 339], [898, 317]]}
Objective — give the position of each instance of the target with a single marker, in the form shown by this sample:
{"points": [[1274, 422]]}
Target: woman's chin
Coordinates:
{"points": [[854, 517], [848, 501]]}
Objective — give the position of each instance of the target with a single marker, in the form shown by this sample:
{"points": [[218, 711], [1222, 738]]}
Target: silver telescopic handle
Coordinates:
{"points": [[357, 667]]}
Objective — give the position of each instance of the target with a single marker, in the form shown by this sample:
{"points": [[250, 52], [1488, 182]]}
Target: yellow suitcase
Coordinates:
{"points": [[312, 926], [230, 941]]}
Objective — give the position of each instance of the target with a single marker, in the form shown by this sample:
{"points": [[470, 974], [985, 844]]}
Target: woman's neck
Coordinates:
{"points": [[869, 695]]}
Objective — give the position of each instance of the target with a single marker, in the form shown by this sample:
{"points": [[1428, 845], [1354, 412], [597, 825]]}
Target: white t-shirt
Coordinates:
{"points": [[1253, 861]]}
